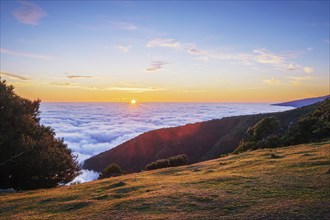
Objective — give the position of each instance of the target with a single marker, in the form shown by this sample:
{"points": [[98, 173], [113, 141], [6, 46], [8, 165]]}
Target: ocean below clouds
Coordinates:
{"points": [[91, 128]]}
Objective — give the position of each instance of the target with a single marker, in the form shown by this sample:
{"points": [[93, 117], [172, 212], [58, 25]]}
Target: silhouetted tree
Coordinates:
{"points": [[30, 155]]}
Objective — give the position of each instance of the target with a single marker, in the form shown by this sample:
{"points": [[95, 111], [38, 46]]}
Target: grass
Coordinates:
{"points": [[284, 183]]}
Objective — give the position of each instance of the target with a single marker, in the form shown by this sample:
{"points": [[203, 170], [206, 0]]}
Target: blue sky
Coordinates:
{"points": [[166, 51]]}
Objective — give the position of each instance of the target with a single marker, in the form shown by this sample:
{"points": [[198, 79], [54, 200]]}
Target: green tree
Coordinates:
{"points": [[263, 134], [111, 170], [30, 155], [311, 128]]}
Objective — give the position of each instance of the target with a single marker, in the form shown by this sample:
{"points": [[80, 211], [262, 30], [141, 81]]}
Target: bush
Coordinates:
{"points": [[178, 160], [111, 170], [30, 155]]}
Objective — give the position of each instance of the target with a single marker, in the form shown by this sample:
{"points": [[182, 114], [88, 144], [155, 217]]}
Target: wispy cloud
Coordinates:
{"points": [[123, 25], [293, 67], [132, 89], [24, 54], [124, 48], [272, 82], [155, 66], [77, 76], [265, 57], [29, 13], [195, 51], [327, 41], [164, 42], [298, 80], [281, 60], [308, 69], [13, 76]]}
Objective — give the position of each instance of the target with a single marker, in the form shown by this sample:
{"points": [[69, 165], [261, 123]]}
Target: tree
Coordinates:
{"points": [[111, 170], [263, 134], [310, 128], [30, 155]]}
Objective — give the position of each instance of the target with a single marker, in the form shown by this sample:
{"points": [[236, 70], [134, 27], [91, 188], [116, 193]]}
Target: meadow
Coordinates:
{"points": [[290, 182]]}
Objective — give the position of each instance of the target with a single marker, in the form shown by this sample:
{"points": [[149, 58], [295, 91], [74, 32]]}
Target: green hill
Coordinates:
{"points": [[284, 183]]}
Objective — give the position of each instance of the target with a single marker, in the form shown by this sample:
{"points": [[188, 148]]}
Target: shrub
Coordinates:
{"points": [[178, 160], [30, 155], [111, 170]]}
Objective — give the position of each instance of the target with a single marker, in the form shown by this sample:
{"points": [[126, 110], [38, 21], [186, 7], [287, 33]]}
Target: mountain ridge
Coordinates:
{"points": [[303, 102], [199, 141]]}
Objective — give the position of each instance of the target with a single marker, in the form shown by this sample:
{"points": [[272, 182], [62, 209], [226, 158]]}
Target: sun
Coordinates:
{"points": [[133, 101]]}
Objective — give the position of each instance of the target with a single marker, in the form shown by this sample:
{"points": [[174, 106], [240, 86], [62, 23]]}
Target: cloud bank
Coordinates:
{"points": [[29, 13]]}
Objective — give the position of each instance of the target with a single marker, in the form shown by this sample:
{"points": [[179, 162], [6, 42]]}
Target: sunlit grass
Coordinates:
{"points": [[250, 185]]}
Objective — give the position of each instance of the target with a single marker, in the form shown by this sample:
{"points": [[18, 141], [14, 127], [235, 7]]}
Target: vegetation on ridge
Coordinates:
{"points": [[178, 160], [268, 133], [111, 170]]}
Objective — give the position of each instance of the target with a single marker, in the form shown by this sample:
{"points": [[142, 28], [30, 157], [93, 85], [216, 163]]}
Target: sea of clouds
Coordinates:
{"points": [[91, 128]]}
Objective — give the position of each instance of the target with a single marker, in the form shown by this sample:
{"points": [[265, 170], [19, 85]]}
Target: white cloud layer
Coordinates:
{"points": [[91, 128]]}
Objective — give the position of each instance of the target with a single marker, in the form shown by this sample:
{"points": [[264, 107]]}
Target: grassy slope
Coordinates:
{"points": [[250, 185]]}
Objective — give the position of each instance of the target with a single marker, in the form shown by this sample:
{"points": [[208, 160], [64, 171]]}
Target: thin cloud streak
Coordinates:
{"points": [[29, 13], [155, 66], [135, 89], [160, 42], [24, 54], [13, 76], [123, 25], [78, 76]]}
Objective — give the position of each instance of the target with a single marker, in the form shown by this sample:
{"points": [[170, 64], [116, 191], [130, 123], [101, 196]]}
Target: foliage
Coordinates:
{"points": [[178, 160], [310, 128], [30, 155], [263, 134], [111, 170]]}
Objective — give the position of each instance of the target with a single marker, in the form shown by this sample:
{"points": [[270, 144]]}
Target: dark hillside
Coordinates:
{"points": [[303, 102], [200, 141]]}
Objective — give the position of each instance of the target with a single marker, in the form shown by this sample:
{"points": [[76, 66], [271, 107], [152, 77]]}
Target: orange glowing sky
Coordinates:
{"points": [[165, 51]]}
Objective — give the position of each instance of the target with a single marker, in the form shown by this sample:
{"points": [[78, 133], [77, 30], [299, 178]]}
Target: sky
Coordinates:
{"points": [[165, 51]]}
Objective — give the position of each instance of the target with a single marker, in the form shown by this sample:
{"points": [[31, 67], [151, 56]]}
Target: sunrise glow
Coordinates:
{"points": [[163, 52]]}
